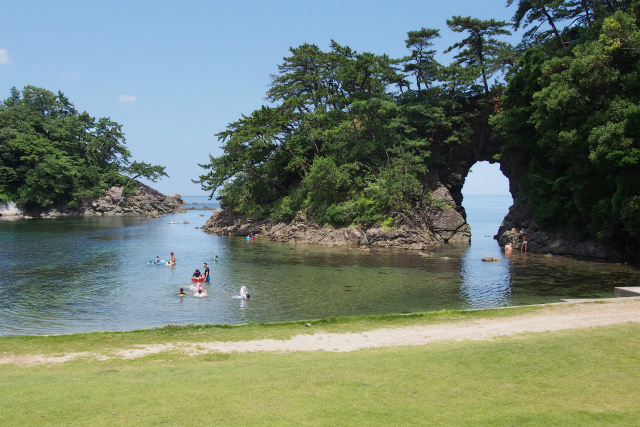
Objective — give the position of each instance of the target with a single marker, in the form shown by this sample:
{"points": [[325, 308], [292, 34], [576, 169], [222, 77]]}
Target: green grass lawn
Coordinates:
{"points": [[105, 341], [571, 378]]}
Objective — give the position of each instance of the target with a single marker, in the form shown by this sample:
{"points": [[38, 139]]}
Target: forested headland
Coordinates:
{"points": [[353, 138], [53, 155]]}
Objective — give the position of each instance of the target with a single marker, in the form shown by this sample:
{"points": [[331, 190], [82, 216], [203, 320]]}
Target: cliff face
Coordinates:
{"points": [[521, 222], [143, 201], [420, 230]]}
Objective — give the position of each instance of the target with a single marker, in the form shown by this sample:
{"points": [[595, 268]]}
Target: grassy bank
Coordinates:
{"points": [[573, 378], [105, 341]]}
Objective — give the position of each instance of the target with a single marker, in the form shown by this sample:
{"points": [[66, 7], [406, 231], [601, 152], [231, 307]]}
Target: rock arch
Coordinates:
{"points": [[520, 220]]}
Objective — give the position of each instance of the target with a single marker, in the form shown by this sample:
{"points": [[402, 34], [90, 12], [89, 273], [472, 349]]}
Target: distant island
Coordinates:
{"points": [[58, 161], [376, 149]]}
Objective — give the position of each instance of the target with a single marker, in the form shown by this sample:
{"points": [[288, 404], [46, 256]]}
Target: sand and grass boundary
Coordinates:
{"points": [[336, 335]]}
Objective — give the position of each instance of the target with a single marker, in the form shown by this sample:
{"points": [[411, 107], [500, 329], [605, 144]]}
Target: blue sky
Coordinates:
{"points": [[174, 74]]}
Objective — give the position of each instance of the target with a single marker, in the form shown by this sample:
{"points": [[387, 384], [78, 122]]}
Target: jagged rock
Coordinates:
{"points": [[116, 197], [143, 201], [520, 222], [416, 231], [9, 209]]}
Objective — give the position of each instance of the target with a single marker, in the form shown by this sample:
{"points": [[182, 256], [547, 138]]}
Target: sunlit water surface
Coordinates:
{"points": [[90, 274]]}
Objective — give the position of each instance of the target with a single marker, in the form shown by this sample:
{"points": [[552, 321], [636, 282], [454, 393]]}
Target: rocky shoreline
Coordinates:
{"points": [[444, 223], [520, 222], [143, 201], [422, 229]]}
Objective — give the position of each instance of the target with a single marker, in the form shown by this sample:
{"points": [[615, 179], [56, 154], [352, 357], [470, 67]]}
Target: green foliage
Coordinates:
{"points": [[576, 112], [421, 62], [480, 50], [336, 130], [51, 154], [340, 143], [151, 172]]}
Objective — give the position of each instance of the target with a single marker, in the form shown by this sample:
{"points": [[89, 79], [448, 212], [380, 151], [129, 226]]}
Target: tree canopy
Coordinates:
{"points": [[351, 137], [576, 113], [52, 154], [340, 142]]}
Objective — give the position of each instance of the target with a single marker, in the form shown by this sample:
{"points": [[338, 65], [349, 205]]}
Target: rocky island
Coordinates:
{"points": [[142, 201], [360, 149], [435, 225]]}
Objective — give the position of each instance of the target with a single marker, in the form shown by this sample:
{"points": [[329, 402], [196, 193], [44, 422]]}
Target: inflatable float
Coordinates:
{"points": [[197, 279]]}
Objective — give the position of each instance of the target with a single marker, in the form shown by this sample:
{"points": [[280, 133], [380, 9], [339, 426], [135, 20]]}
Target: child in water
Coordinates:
{"points": [[200, 294], [196, 273], [181, 293]]}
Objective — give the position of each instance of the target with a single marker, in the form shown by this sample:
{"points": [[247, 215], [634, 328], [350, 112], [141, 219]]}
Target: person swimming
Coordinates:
{"points": [[200, 294], [243, 294], [181, 293], [195, 288]]}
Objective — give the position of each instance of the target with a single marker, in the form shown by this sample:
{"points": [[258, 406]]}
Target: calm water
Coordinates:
{"points": [[90, 274]]}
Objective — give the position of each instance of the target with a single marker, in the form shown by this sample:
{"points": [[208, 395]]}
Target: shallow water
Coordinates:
{"points": [[90, 274]]}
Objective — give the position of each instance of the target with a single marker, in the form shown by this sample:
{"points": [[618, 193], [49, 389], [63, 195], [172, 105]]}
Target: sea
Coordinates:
{"points": [[87, 274]]}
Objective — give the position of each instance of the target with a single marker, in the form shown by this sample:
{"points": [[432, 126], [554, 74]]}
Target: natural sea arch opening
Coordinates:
{"points": [[486, 200]]}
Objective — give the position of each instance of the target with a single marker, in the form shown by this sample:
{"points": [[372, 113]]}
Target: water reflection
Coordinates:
{"points": [[485, 284]]}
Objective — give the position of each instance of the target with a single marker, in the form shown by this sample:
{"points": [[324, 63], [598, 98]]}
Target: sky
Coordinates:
{"points": [[174, 74]]}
